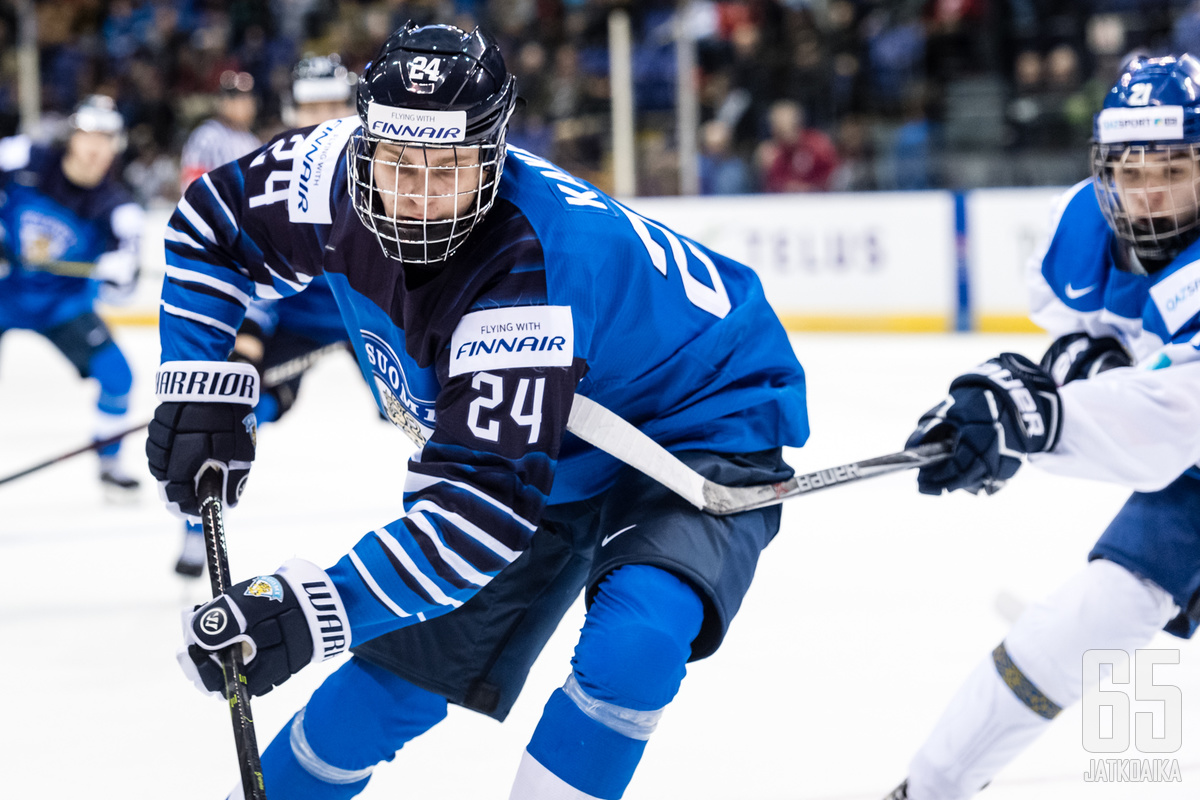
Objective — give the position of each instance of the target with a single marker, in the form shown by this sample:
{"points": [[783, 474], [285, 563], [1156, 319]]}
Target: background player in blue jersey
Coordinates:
{"points": [[276, 331], [70, 235], [1116, 286], [487, 293]]}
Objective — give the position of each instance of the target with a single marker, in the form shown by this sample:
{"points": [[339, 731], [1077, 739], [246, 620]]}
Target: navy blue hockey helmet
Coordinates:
{"points": [[1146, 158], [426, 164]]}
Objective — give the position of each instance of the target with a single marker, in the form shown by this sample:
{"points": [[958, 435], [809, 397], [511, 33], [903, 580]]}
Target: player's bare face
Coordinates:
{"points": [[88, 157], [426, 184], [1160, 190]]}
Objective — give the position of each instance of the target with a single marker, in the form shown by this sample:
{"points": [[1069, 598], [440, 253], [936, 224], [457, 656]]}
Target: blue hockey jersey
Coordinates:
{"points": [[45, 219], [559, 290]]}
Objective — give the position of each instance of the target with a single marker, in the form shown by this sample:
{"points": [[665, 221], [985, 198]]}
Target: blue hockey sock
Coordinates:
{"points": [[361, 715], [627, 667], [584, 753], [109, 367]]}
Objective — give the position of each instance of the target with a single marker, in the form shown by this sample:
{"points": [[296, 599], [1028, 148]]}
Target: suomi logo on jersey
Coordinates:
{"points": [[413, 415], [44, 237]]}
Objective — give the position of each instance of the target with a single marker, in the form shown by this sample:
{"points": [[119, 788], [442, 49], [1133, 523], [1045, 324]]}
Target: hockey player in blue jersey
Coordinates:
{"points": [[487, 292], [69, 233], [276, 331], [1115, 398]]}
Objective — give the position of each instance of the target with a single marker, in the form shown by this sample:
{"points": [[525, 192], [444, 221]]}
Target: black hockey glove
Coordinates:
{"points": [[283, 621], [205, 419], [996, 414], [1078, 355]]}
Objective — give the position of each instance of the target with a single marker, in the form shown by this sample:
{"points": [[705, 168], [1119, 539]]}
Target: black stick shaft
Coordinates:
{"points": [[236, 688]]}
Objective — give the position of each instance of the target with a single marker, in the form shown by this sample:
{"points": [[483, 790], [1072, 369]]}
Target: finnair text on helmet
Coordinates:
{"points": [[426, 134], [416, 125]]}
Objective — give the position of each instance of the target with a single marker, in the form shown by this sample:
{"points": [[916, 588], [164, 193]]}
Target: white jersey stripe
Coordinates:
{"points": [[196, 317], [457, 562], [224, 208], [191, 215], [191, 276], [415, 482], [400, 553], [467, 527], [373, 585], [179, 237]]}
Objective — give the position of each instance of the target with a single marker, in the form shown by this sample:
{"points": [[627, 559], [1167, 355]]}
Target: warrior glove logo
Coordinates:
{"points": [[213, 621]]}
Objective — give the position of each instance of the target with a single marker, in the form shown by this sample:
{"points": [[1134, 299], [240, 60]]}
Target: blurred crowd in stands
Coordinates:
{"points": [[795, 95]]}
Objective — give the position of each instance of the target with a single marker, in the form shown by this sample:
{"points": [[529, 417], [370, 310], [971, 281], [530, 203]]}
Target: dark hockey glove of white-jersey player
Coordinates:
{"points": [[996, 414], [993, 436]]}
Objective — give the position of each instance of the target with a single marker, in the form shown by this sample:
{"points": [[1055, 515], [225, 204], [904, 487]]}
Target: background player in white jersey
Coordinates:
{"points": [[277, 331], [70, 234], [487, 293], [226, 135], [1115, 286]]}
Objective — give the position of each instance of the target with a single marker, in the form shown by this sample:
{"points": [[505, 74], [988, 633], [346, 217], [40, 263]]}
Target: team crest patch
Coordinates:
{"points": [[503, 338], [251, 423], [266, 586]]}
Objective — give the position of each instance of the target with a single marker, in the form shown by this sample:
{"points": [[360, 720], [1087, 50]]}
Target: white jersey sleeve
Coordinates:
{"points": [[1130, 426]]}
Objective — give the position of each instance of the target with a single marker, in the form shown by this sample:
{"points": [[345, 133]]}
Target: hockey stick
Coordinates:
{"points": [[272, 377], [285, 371], [236, 689], [603, 429], [95, 445]]}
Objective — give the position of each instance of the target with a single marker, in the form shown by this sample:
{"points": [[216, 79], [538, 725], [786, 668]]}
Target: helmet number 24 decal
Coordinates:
{"points": [[421, 68]]}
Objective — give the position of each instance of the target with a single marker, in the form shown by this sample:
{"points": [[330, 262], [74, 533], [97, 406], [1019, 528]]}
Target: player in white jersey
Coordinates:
{"points": [[276, 331], [225, 136], [1116, 398]]}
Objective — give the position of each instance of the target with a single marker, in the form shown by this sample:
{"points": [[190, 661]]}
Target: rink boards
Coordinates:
{"points": [[881, 261]]}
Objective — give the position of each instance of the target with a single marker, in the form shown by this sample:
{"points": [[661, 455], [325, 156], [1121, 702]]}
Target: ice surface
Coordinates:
{"points": [[869, 608]]}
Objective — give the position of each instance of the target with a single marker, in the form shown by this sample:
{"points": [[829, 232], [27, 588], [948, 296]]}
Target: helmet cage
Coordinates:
{"points": [[431, 237], [1149, 195]]}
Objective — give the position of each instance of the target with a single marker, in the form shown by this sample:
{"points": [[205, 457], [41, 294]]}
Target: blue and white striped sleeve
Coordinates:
{"points": [[220, 254]]}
